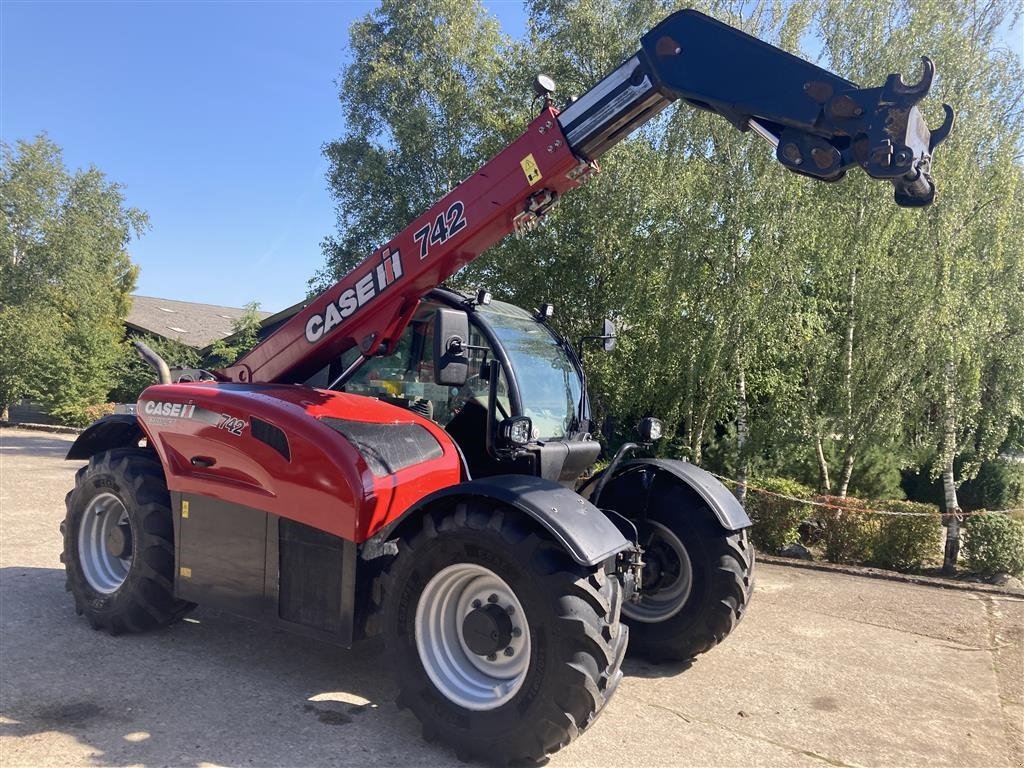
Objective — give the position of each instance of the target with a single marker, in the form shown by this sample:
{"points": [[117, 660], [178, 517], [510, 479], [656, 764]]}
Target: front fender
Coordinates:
{"points": [[580, 527], [118, 430], [725, 507]]}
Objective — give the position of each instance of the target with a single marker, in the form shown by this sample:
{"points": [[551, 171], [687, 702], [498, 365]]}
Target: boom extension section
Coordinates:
{"points": [[819, 123]]}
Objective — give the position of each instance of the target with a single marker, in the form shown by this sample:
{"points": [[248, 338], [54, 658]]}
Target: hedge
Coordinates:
{"points": [[907, 542], [849, 534], [776, 521], [994, 543]]}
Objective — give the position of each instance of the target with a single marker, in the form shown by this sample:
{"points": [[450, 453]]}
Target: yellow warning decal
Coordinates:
{"points": [[530, 169], [185, 573], [184, 508]]}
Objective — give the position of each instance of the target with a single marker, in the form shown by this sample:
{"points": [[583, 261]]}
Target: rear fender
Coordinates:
{"points": [[118, 430], [723, 505], [581, 528]]}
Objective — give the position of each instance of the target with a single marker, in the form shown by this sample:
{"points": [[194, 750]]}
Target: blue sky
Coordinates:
{"points": [[211, 115]]}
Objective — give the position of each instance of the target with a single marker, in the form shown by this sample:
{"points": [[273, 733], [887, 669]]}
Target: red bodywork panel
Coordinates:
{"points": [[326, 483], [373, 303]]}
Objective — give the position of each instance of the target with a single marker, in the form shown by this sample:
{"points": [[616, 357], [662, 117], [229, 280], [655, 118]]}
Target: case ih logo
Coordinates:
{"points": [[174, 410], [366, 287]]}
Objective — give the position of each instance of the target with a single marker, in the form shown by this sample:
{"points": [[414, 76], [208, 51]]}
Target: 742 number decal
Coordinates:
{"points": [[231, 424], [444, 227]]}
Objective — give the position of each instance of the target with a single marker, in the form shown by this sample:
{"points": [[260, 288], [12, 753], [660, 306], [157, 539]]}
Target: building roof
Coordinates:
{"points": [[197, 325]]}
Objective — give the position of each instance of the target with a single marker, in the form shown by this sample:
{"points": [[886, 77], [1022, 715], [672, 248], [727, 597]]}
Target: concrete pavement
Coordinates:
{"points": [[825, 669]]}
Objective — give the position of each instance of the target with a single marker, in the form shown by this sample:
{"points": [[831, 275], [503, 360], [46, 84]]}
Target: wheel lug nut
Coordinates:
{"points": [[477, 603], [510, 651], [510, 610], [492, 599], [516, 632], [492, 657]]}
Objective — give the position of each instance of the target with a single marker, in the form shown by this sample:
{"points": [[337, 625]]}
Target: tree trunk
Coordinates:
{"points": [[5, 414], [844, 478], [696, 443], [948, 454], [824, 483], [848, 457], [741, 436], [697, 436], [952, 551]]}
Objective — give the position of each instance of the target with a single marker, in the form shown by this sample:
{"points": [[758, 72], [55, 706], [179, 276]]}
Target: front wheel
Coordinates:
{"points": [[503, 646], [697, 578], [119, 543]]}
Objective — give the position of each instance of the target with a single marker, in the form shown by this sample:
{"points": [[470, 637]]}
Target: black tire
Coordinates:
{"points": [[576, 641], [145, 600], [721, 571]]}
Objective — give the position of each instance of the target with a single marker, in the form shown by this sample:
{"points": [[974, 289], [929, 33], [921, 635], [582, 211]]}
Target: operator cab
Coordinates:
{"points": [[538, 377]]}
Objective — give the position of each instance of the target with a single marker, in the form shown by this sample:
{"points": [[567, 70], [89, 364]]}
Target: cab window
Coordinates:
{"points": [[406, 377]]}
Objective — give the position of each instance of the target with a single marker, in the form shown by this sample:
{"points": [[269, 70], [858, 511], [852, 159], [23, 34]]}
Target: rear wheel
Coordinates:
{"points": [[697, 579], [503, 646], [119, 543]]}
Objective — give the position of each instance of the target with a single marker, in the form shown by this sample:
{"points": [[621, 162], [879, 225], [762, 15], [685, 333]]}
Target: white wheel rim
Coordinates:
{"points": [[470, 680], [665, 599], [104, 570]]}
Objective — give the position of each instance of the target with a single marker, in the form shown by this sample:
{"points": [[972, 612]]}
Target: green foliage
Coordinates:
{"points": [[906, 543], [999, 484], [776, 520], [877, 475], [994, 543], [849, 534], [65, 279], [244, 336], [419, 99]]}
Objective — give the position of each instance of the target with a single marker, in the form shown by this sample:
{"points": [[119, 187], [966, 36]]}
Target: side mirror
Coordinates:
{"points": [[451, 351], [608, 335], [650, 429], [514, 433]]}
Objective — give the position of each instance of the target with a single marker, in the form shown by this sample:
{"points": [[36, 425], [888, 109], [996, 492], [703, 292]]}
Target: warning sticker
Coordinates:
{"points": [[530, 169]]}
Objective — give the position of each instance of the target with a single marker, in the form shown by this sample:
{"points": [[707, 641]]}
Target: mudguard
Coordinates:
{"points": [[118, 430], [587, 535], [727, 510]]}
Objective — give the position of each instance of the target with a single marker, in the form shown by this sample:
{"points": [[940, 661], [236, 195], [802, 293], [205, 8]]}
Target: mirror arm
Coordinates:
{"points": [[592, 338]]}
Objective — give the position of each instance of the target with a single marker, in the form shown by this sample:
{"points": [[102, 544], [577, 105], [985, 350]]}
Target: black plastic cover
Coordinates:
{"points": [[118, 430], [587, 535], [726, 508], [387, 448]]}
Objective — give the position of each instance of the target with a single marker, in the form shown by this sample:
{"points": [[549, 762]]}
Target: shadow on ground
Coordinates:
{"points": [[35, 444], [212, 689]]}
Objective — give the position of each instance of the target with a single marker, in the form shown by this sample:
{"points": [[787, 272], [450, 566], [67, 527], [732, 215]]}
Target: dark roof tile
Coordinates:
{"points": [[196, 325]]}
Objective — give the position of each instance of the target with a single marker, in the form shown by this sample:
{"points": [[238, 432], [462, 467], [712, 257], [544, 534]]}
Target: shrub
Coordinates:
{"points": [[994, 543], [849, 534], [776, 520], [93, 412], [905, 543]]}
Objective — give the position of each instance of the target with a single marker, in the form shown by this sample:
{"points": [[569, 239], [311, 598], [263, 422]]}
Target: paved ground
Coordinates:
{"points": [[825, 669]]}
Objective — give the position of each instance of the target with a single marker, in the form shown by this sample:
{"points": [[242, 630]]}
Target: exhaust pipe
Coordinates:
{"points": [[163, 373]]}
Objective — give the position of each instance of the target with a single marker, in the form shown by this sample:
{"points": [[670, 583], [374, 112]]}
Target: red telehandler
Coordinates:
{"points": [[403, 460]]}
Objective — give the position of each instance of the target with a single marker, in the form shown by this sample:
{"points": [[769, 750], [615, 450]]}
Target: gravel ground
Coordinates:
{"points": [[825, 669]]}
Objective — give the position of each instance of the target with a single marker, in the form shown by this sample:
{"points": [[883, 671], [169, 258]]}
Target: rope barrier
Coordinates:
{"points": [[841, 508]]}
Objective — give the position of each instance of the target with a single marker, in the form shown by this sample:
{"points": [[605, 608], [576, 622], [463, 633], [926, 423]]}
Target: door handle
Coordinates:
{"points": [[203, 461]]}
